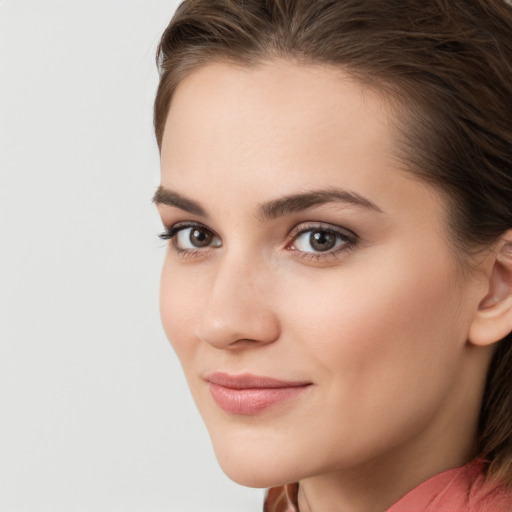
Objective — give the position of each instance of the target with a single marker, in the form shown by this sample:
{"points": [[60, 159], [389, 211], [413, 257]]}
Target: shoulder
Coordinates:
{"points": [[460, 489]]}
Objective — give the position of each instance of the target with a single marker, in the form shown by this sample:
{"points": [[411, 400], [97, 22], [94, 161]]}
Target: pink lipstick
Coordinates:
{"points": [[249, 394]]}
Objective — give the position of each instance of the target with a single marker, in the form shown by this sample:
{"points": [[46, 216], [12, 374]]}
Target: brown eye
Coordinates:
{"points": [[195, 237], [200, 237], [322, 240]]}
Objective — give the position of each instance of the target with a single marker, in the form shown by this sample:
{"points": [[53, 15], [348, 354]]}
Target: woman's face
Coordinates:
{"points": [[309, 288]]}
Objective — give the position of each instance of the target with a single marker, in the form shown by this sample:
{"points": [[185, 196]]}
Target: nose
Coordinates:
{"points": [[239, 310]]}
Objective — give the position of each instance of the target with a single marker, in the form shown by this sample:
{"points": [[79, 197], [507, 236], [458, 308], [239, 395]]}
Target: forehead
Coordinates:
{"points": [[280, 114]]}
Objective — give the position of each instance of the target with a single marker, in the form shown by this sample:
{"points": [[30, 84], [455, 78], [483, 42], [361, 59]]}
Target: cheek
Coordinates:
{"points": [[383, 347], [382, 331], [179, 306], [395, 300]]}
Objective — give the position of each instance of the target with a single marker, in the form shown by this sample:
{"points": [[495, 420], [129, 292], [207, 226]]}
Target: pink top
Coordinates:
{"points": [[461, 489]]}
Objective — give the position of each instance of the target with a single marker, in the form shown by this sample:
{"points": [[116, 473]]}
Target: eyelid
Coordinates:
{"points": [[304, 227], [171, 230], [351, 239]]}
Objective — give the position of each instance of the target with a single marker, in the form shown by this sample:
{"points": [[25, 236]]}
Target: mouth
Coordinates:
{"points": [[248, 394]]}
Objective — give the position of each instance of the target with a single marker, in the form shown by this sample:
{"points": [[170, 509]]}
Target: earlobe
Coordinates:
{"points": [[493, 319]]}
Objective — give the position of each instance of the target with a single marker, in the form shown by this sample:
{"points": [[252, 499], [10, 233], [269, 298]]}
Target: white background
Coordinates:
{"points": [[94, 411]]}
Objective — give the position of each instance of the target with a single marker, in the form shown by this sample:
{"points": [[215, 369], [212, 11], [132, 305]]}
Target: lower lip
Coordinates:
{"points": [[250, 401]]}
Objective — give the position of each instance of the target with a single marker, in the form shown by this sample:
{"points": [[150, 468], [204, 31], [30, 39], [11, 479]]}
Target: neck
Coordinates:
{"points": [[373, 488]]}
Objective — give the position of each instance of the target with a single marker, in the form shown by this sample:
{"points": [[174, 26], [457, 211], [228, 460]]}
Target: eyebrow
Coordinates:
{"points": [[170, 198], [276, 208], [302, 201]]}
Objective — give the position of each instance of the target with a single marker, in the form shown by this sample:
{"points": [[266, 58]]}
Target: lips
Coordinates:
{"points": [[250, 394]]}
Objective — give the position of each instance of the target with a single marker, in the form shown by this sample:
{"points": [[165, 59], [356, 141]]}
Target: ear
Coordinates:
{"points": [[493, 319]]}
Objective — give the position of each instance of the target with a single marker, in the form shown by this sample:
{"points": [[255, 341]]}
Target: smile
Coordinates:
{"points": [[250, 394]]}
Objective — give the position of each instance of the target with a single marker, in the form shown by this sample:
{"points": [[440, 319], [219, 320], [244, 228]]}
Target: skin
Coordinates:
{"points": [[378, 325]]}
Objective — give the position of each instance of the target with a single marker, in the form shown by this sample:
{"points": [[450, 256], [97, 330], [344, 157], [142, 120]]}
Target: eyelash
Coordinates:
{"points": [[171, 232], [347, 240]]}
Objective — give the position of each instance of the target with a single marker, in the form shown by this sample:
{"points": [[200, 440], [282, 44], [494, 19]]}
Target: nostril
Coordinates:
{"points": [[239, 329]]}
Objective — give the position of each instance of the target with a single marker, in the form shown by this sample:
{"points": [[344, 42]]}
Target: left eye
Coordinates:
{"points": [[319, 240], [195, 237]]}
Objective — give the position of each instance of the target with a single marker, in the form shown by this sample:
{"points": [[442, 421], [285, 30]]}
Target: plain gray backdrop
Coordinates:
{"points": [[95, 414]]}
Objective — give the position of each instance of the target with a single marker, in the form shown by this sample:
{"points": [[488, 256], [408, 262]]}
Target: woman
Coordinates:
{"points": [[337, 192]]}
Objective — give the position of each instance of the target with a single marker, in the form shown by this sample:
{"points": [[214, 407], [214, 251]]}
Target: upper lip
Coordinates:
{"points": [[247, 380]]}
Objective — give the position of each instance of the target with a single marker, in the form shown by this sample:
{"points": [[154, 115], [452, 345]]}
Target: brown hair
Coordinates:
{"points": [[447, 67]]}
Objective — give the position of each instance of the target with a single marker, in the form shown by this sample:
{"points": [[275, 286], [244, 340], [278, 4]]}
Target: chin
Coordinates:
{"points": [[251, 474], [260, 463]]}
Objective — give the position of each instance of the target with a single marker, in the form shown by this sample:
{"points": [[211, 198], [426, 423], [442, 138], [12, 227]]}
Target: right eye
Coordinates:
{"points": [[191, 237]]}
